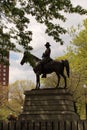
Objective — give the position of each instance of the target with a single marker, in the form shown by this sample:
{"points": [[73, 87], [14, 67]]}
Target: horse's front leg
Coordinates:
{"points": [[64, 80], [58, 76], [37, 81]]}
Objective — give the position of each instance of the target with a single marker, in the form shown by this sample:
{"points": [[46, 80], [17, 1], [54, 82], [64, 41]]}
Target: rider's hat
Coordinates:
{"points": [[47, 44]]}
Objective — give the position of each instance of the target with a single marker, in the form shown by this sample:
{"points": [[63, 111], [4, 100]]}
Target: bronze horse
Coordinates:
{"points": [[52, 66]]}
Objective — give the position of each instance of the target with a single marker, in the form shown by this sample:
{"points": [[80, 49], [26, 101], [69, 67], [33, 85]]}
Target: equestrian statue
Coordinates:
{"points": [[46, 65]]}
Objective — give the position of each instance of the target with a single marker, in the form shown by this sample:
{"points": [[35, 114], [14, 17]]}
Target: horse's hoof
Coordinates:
{"points": [[38, 87], [57, 87], [65, 87]]}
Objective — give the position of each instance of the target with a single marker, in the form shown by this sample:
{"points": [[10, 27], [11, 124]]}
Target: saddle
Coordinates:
{"points": [[43, 64]]}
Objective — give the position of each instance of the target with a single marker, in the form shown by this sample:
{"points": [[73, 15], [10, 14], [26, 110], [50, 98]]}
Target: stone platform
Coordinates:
{"points": [[48, 104]]}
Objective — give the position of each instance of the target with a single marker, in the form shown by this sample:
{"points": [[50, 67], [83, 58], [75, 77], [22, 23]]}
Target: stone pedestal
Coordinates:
{"points": [[48, 104]]}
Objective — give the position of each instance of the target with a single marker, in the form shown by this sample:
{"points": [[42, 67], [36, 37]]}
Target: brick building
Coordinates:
{"points": [[4, 73]]}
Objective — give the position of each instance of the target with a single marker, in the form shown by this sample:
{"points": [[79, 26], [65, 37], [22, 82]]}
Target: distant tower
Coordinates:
{"points": [[4, 72]]}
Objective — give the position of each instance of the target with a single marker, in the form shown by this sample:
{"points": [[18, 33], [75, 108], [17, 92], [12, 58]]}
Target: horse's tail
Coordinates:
{"points": [[66, 63]]}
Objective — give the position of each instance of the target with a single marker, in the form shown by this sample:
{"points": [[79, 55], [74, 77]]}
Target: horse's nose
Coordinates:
{"points": [[34, 69], [21, 63]]}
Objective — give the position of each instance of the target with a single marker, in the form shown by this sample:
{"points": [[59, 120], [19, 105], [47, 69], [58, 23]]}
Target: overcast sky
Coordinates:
{"points": [[25, 72]]}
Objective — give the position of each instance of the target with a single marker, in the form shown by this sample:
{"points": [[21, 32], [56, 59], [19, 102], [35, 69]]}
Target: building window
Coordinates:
{"points": [[4, 70], [4, 83], [4, 78], [4, 66], [4, 74]]}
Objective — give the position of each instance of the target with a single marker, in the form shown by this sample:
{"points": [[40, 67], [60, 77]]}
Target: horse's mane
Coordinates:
{"points": [[32, 59], [35, 58]]}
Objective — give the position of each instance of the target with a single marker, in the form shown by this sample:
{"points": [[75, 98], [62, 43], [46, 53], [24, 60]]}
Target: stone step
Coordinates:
{"points": [[47, 91], [49, 97], [49, 112], [50, 102], [54, 116], [49, 108]]}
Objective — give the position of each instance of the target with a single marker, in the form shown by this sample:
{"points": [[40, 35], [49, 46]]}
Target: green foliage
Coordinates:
{"points": [[50, 81], [16, 95], [47, 11], [5, 42], [77, 54], [3, 113], [15, 101], [3, 102], [79, 51], [17, 13]]}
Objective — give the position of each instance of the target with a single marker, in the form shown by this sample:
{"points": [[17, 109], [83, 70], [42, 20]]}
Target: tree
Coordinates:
{"points": [[79, 51], [16, 95], [3, 95], [77, 55], [15, 101], [16, 12], [3, 101]]}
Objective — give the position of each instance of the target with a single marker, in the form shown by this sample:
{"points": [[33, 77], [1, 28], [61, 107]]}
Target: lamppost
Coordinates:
{"points": [[85, 94]]}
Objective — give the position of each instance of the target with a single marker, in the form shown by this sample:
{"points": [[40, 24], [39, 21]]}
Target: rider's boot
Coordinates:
{"points": [[44, 75]]}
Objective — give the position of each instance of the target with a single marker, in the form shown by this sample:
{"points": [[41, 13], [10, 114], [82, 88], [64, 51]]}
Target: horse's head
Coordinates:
{"points": [[25, 58]]}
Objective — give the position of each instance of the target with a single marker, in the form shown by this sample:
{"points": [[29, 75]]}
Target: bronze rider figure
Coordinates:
{"points": [[45, 58]]}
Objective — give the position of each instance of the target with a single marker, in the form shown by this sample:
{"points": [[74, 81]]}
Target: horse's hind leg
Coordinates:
{"points": [[58, 76], [64, 80]]}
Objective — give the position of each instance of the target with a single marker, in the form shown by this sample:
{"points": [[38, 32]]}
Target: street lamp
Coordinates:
{"points": [[85, 93]]}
